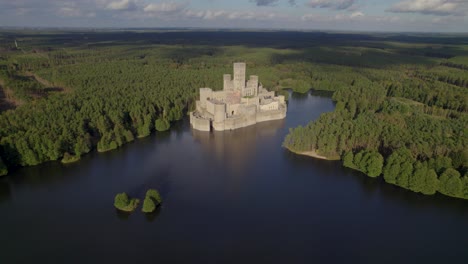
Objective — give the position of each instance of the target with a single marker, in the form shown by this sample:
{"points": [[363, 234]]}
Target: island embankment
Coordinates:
{"points": [[313, 154]]}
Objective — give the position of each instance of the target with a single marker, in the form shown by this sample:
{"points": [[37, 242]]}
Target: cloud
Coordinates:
{"points": [[356, 14], [233, 15], [431, 7], [271, 2], [264, 2], [122, 5], [342, 17], [165, 7], [331, 4], [69, 12], [206, 14]]}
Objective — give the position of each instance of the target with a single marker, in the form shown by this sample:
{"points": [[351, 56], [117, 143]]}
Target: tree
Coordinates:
{"points": [[124, 203], [450, 183], [431, 183], [3, 168], [162, 124], [121, 200], [399, 167], [148, 205], [465, 186], [152, 200], [372, 163], [418, 178], [348, 160], [154, 194]]}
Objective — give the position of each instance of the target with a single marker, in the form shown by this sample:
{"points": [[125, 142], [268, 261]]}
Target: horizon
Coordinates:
{"points": [[393, 16], [203, 29]]}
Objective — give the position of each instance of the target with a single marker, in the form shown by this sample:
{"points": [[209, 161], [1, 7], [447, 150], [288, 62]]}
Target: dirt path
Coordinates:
{"points": [[49, 86], [5, 102]]}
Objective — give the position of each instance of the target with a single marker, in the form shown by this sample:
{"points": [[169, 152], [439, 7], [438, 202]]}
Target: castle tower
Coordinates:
{"points": [[227, 84], [239, 76], [252, 84]]}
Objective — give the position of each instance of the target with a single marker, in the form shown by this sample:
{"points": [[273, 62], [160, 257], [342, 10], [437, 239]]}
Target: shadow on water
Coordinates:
{"points": [[124, 216], [5, 191], [371, 187], [151, 217], [299, 96], [321, 93]]}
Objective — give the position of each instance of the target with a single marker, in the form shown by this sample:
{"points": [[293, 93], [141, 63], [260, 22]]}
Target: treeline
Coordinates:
{"points": [[455, 65]]}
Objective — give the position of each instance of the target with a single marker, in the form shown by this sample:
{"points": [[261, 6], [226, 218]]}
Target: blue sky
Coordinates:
{"points": [[356, 15]]}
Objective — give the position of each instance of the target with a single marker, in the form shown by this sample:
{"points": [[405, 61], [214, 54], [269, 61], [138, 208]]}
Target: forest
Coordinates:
{"points": [[401, 99]]}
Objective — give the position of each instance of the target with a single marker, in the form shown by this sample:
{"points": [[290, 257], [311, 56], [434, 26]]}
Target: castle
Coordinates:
{"points": [[241, 103]]}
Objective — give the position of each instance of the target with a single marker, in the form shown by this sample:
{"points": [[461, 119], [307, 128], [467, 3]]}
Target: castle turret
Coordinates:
{"points": [[252, 85], [239, 76], [219, 112], [227, 84]]}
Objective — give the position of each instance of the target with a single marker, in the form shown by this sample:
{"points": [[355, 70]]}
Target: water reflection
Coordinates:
{"points": [[237, 147]]}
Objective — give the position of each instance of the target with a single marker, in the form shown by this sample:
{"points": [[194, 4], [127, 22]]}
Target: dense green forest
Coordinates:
{"points": [[401, 100], [407, 122]]}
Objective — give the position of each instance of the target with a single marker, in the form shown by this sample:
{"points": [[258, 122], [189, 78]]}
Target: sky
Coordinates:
{"points": [[346, 15]]}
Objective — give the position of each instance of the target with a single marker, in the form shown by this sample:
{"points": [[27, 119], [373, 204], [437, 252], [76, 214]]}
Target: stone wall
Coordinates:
{"points": [[205, 94], [232, 109], [219, 95], [271, 115], [273, 105], [219, 112], [199, 123], [210, 107]]}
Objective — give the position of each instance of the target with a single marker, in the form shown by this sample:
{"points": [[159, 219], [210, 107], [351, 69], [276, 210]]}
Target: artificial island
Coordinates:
{"points": [[241, 103]]}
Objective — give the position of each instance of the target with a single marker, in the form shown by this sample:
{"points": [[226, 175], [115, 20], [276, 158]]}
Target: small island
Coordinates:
{"points": [[123, 203], [152, 201]]}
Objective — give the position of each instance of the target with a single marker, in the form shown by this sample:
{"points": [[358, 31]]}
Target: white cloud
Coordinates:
{"points": [[336, 18], [431, 7], [356, 14], [234, 15], [165, 7], [206, 14], [69, 12], [122, 5]]}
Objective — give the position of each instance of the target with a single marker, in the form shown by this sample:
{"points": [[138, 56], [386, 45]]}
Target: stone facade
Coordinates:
{"points": [[241, 103]]}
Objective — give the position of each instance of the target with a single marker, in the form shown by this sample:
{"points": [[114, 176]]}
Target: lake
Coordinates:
{"points": [[228, 197]]}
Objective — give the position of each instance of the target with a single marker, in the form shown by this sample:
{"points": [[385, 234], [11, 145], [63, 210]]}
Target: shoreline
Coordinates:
{"points": [[310, 153]]}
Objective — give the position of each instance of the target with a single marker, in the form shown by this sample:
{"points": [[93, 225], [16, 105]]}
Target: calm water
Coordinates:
{"points": [[233, 197]]}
